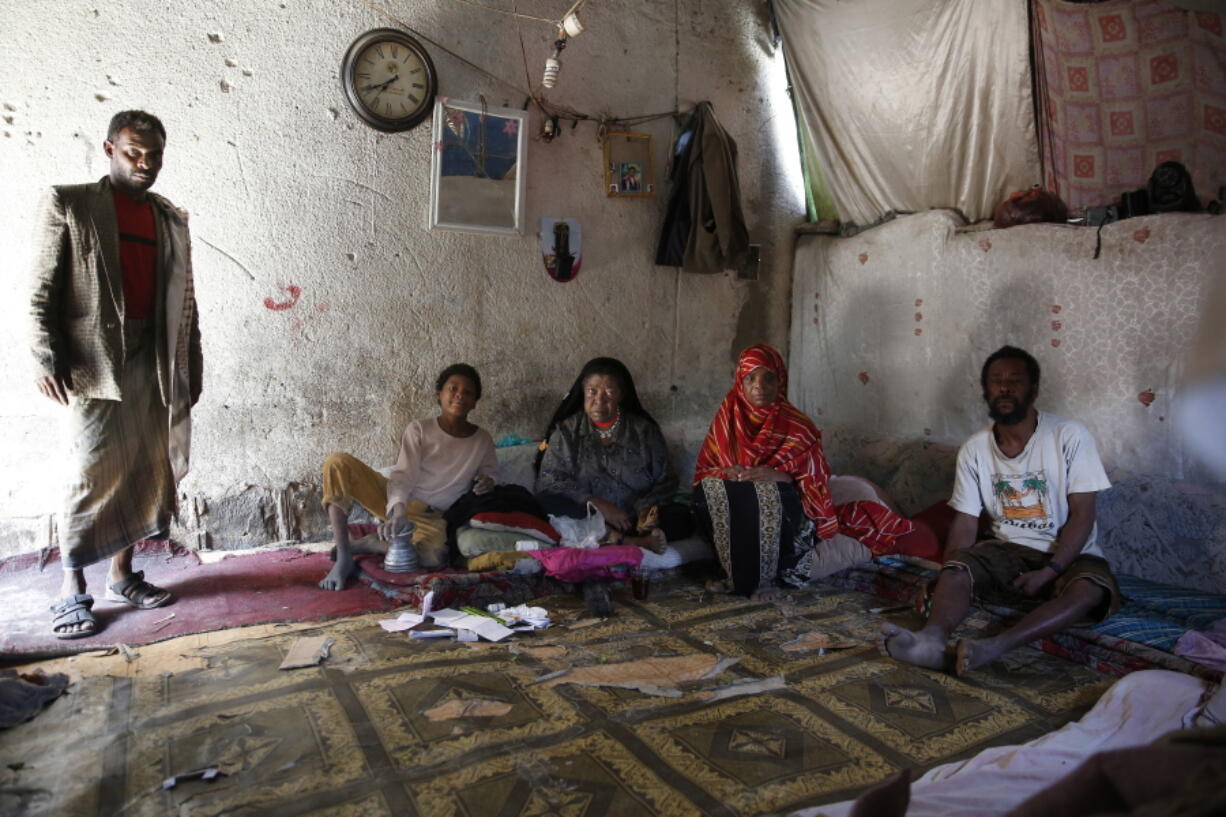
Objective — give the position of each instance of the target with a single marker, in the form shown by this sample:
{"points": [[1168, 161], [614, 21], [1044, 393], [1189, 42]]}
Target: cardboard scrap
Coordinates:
{"points": [[651, 676], [819, 641], [471, 708], [307, 652], [745, 686]]}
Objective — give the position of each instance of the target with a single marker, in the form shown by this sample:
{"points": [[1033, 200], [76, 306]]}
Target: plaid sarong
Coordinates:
{"points": [[120, 488]]}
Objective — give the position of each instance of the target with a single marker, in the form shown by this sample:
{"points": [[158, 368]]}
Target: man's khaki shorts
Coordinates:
{"points": [[993, 565]]}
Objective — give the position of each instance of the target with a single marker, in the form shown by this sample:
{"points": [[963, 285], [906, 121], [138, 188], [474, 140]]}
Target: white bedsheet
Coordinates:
{"points": [[1136, 710]]}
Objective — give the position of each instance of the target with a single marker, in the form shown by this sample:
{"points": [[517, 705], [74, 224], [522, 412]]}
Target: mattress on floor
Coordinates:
{"points": [[456, 586], [453, 587]]}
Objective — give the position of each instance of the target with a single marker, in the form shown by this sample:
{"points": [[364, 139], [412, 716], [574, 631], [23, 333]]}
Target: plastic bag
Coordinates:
{"points": [[580, 533]]}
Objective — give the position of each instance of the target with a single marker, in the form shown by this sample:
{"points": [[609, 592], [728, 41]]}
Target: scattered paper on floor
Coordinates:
{"points": [[491, 629], [537, 617], [406, 621], [307, 652]]}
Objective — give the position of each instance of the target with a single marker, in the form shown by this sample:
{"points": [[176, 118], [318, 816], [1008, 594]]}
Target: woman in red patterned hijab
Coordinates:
{"points": [[758, 435], [764, 498]]}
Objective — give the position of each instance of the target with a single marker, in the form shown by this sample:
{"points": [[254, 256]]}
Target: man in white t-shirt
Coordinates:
{"points": [[1037, 475]]}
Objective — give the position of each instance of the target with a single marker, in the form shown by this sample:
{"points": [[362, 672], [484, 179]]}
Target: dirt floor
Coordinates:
{"points": [[684, 704]]}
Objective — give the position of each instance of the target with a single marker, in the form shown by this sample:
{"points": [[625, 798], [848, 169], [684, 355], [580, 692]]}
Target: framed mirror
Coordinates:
{"points": [[628, 169], [477, 174]]}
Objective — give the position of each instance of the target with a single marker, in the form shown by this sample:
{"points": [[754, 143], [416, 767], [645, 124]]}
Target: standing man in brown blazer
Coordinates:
{"points": [[116, 341]]}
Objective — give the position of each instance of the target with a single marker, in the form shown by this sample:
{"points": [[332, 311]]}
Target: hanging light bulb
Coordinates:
{"points": [[571, 27], [553, 65]]}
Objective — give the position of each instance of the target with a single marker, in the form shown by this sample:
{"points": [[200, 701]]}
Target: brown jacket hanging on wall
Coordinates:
{"points": [[704, 228]]}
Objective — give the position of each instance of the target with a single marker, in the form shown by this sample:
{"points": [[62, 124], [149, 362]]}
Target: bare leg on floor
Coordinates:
{"points": [[926, 647], [340, 572], [1077, 600]]}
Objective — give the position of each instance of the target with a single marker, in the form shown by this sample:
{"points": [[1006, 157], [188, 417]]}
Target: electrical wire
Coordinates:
{"points": [[509, 14], [558, 22], [549, 109]]}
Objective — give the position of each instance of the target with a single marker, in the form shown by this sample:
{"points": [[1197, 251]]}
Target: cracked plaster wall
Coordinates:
{"points": [[293, 201]]}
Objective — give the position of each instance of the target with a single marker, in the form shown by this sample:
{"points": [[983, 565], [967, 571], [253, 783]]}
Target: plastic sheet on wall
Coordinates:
{"points": [[1123, 87], [914, 104]]}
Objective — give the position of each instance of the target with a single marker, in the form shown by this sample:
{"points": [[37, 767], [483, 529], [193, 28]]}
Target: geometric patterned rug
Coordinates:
{"points": [[362, 734]]}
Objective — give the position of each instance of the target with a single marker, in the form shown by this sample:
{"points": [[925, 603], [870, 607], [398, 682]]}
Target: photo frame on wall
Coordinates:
{"points": [[628, 166], [477, 174]]}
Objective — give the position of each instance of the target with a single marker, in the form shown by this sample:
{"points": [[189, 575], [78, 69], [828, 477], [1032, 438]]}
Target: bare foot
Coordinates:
{"points": [[74, 584], [656, 544], [87, 627], [335, 580], [913, 648], [719, 586], [766, 593], [71, 617], [974, 653], [653, 541]]}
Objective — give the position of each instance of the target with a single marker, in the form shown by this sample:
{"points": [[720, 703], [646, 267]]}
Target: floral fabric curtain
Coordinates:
{"points": [[1124, 86]]}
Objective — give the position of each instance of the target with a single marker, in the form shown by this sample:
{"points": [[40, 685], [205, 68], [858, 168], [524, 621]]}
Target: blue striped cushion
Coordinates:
{"points": [[1193, 609], [1136, 624]]}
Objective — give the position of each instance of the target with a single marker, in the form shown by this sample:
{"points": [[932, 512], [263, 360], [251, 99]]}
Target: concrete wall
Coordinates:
{"points": [[890, 329], [288, 189]]}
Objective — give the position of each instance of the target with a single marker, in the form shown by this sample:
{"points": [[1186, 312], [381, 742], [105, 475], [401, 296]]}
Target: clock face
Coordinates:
{"points": [[389, 79]]}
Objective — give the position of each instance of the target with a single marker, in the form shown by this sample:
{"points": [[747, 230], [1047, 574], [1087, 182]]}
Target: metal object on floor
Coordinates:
{"points": [[596, 596], [401, 555]]}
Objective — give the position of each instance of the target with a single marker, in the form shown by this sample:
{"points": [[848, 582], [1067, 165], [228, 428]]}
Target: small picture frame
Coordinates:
{"points": [[629, 170]]}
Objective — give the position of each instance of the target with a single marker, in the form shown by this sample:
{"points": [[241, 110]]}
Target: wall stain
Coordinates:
{"points": [[295, 292]]}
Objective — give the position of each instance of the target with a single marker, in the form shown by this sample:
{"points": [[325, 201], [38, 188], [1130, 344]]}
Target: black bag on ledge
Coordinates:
{"points": [[1170, 190]]}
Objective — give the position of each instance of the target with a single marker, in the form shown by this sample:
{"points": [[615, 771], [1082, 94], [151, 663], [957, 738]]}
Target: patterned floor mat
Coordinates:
{"points": [[390, 726]]}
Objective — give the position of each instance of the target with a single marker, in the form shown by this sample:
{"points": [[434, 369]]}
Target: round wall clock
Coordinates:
{"points": [[389, 79]]}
